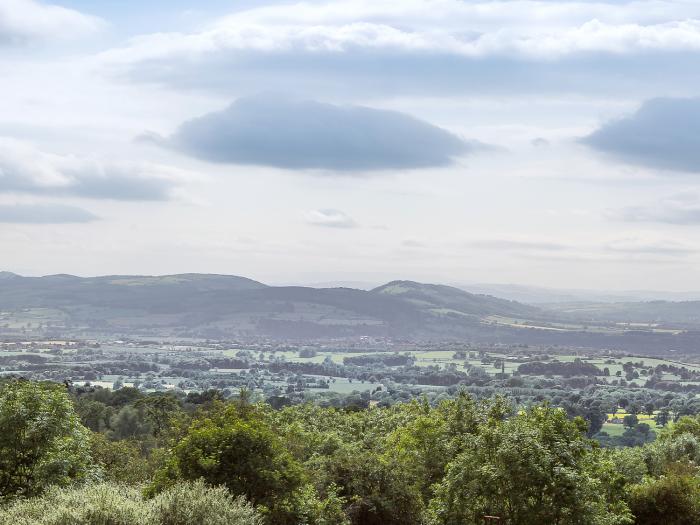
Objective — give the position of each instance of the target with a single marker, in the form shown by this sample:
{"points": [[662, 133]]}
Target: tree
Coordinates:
{"points": [[129, 422], [42, 441], [93, 414], [241, 453], [673, 499], [532, 468], [630, 420], [121, 461], [158, 409], [684, 425], [377, 488]]}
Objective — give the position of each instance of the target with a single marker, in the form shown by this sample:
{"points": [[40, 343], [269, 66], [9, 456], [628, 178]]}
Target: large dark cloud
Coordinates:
{"points": [[664, 133], [43, 214], [270, 131]]}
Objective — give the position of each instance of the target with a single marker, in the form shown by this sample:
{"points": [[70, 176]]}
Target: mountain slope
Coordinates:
{"points": [[441, 299], [125, 291], [226, 306], [678, 313]]}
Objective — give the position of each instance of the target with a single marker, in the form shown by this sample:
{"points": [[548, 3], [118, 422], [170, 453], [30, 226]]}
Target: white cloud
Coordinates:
{"points": [[330, 219], [456, 14], [26, 169], [39, 213], [681, 208], [23, 21], [653, 247], [518, 245], [525, 29]]}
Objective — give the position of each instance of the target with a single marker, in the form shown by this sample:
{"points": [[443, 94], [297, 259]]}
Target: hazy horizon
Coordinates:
{"points": [[512, 291]]}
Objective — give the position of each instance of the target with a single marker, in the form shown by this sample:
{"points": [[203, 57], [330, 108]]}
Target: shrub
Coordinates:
{"points": [[190, 503], [101, 504], [116, 504]]}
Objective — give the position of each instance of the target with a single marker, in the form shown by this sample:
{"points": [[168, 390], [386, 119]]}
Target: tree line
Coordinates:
{"points": [[86, 456]]}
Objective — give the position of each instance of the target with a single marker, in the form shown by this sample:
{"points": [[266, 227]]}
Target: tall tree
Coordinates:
{"points": [[42, 441]]}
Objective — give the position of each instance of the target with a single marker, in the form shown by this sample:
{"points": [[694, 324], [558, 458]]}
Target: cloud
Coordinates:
{"points": [[24, 21], [664, 133], [412, 243], [330, 219], [529, 29], [44, 214], [636, 246], [682, 209], [393, 46], [517, 245], [25, 169], [282, 133]]}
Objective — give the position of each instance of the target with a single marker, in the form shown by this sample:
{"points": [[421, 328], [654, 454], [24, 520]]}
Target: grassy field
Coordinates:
{"points": [[444, 358]]}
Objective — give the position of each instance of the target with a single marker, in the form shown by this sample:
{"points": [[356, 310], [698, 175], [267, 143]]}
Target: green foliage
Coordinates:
{"points": [[672, 499], [314, 510], [531, 468], [375, 487], [189, 503], [124, 461], [685, 425], [414, 463], [42, 442], [129, 423], [158, 410], [97, 504], [239, 451], [630, 420], [93, 414], [116, 504]]}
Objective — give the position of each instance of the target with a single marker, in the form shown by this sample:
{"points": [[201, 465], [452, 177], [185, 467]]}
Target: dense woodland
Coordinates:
{"points": [[93, 455]]}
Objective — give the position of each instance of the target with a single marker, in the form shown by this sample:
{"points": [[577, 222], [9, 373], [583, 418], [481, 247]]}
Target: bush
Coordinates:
{"points": [[101, 504], [190, 503], [116, 504]]}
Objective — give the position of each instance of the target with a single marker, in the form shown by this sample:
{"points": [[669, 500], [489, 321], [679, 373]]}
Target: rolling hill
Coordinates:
{"points": [[440, 299], [227, 306], [204, 306]]}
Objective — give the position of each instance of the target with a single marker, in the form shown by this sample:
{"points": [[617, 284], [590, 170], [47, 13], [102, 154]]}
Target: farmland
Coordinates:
{"points": [[601, 387]]}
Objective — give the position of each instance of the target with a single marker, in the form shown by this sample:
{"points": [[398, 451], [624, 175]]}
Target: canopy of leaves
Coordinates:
{"points": [[42, 441]]}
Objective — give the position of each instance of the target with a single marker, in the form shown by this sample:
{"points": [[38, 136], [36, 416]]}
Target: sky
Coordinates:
{"points": [[539, 142]]}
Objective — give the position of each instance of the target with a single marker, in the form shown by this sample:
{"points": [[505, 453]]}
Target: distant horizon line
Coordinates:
{"points": [[373, 283]]}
